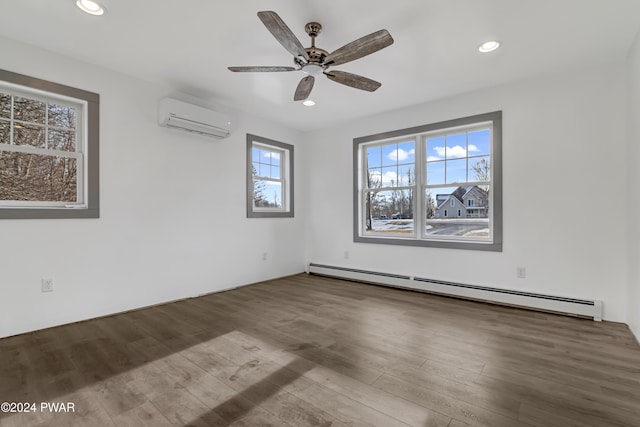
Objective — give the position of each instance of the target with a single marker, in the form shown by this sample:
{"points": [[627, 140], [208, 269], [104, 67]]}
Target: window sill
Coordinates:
{"points": [[444, 244]]}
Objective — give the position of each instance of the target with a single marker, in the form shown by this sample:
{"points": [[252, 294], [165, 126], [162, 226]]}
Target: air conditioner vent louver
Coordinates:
{"points": [[192, 118]]}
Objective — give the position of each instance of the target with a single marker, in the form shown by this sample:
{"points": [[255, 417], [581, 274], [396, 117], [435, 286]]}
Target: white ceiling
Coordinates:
{"points": [[189, 44]]}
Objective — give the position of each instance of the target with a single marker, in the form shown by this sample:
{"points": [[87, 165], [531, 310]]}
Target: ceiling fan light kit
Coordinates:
{"points": [[489, 46], [91, 7], [314, 61]]}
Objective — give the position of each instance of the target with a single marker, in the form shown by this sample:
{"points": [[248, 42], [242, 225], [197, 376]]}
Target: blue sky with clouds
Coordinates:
{"points": [[449, 159], [268, 164]]}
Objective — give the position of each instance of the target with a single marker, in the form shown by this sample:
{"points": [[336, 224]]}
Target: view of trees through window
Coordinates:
{"points": [[38, 154], [267, 177], [391, 186]]}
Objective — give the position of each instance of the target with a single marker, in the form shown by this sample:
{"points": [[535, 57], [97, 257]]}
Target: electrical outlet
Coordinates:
{"points": [[346, 254], [521, 272], [46, 284], [264, 256]]}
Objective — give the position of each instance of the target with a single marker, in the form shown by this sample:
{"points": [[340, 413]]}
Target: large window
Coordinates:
{"points": [[269, 178], [436, 185], [48, 149]]}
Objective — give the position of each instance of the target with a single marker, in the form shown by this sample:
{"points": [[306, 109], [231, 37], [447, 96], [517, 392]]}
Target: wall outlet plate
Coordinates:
{"points": [[46, 284]]}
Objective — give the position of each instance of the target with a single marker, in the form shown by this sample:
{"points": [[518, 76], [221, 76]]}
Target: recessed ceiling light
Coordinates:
{"points": [[489, 46], [90, 6], [308, 103]]}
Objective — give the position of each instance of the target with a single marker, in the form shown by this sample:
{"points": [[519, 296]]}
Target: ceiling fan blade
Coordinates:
{"points": [[304, 88], [260, 69], [362, 47], [353, 80], [282, 33]]}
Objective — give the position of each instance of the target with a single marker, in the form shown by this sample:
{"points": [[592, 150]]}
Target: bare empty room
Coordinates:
{"points": [[320, 213]]}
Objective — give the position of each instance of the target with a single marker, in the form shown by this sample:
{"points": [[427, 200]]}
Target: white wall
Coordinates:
{"points": [[633, 74], [173, 219], [172, 223], [564, 142]]}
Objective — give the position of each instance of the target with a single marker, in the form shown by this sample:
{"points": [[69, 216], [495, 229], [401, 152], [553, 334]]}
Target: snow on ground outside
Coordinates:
{"points": [[453, 227]]}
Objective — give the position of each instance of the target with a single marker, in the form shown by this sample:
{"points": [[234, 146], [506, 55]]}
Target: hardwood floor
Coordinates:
{"points": [[313, 351]]}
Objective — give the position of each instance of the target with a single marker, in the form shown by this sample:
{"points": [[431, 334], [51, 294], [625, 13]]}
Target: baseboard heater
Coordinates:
{"points": [[550, 303]]}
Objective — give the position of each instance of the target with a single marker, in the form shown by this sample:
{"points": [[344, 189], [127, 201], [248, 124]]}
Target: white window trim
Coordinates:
{"points": [[86, 155], [414, 187], [286, 178], [283, 181], [78, 155], [466, 128], [419, 236]]}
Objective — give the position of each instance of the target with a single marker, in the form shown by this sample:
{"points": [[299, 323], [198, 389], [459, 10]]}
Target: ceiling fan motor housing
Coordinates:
{"points": [[316, 55]]}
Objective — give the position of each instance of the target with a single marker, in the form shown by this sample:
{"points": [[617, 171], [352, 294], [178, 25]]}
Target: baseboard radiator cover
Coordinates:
{"points": [[550, 303]]}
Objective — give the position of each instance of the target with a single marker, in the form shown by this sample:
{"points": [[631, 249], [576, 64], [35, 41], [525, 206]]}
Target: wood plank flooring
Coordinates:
{"points": [[314, 351]]}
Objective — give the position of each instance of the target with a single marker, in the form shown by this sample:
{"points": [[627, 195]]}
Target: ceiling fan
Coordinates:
{"points": [[314, 61]]}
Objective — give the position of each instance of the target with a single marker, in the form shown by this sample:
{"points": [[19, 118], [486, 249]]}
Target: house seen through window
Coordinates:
{"points": [[435, 185]]}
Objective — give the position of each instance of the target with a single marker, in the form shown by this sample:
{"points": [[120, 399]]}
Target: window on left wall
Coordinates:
{"points": [[269, 178], [49, 144]]}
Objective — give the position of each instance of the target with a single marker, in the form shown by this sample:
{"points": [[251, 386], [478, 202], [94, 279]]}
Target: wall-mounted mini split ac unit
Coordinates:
{"points": [[192, 118]]}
